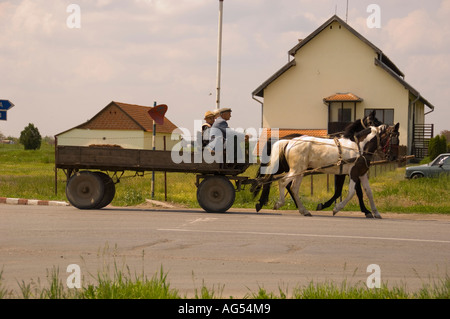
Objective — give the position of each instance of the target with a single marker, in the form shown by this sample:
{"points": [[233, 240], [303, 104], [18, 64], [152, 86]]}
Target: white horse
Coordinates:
{"points": [[330, 156]]}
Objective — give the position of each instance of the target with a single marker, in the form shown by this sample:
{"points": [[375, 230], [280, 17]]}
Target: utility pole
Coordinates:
{"points": [[219, 55], [346, 14]]}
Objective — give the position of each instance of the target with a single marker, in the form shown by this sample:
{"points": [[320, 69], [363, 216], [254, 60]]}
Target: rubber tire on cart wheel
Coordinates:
{"points": [[85, 190], [110, 190], [216, 194]]}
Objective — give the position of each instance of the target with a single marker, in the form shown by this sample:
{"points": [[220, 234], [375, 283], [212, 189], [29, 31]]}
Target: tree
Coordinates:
{"points": [[446, 133], [30, 138], [437, 146]]}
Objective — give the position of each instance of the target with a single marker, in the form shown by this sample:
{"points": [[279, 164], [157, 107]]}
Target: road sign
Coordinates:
{"points": [[157, 113], [5, 105], [2, 115]]}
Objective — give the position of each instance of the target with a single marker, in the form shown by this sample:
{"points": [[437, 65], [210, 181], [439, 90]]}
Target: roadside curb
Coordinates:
{"points": [[31, 202]]}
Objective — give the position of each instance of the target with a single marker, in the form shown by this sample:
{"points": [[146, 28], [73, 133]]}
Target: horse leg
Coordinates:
{"points": [[289, 189], [281, 185], [360, 195], [365, 183], [338, 184], [351, 193], [295, 190], [264, 196]]}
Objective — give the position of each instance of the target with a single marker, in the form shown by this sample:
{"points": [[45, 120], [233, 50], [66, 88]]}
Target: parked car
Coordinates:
{"points": [[440, 165]]}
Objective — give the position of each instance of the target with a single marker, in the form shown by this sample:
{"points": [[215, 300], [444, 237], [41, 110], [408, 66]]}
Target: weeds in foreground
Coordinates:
{"points": [[124, 285]]}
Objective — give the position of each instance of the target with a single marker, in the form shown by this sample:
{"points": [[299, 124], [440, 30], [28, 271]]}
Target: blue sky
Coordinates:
{"points": [[143, 51]]}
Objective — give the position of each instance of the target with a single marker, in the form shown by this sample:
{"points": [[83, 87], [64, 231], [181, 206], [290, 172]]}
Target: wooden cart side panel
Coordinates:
{"points": [[131, 159], [90, 156], [162, 160]]}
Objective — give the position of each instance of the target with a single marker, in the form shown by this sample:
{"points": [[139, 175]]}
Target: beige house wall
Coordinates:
{"points": [[130, 139], [335, 61]]}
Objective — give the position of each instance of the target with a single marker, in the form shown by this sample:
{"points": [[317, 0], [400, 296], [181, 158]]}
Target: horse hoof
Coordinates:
{"points": [[307, 214], [369, 215], [319, 206], [378, 216], [335, 212], [258, 207]]}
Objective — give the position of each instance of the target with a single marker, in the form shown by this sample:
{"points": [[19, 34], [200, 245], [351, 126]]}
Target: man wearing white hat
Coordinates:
{"points": [[219, 132]]}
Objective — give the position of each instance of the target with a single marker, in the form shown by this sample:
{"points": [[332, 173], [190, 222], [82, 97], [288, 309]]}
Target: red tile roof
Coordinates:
{"points": [[122, 116], [140, 114], [282, 133], [343, 97], [285, 132]]}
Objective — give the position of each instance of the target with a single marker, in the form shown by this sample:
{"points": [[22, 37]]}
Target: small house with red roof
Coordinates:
{"points": [[122, 125], [335, 76]]}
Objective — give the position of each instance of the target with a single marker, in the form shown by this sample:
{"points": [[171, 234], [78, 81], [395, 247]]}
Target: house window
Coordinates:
{"points": [[341, 112], [384, 115], [345, 115]]}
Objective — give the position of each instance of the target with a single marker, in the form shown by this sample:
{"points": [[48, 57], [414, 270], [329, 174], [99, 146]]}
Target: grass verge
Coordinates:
{"points": [[30, 175], [125, 285]]}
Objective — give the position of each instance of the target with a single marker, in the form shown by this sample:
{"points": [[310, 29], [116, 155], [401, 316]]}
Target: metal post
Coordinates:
{"points": [[165, 174], [219, 54], [154, 148], [56, 169]]}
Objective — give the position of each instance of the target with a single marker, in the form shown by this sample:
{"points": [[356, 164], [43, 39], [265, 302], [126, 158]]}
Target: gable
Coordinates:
{"points": [[111, 118], [122, 116], [140, 114], [336, 40]]}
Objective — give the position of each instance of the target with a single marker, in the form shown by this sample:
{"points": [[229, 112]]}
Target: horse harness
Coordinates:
{"points": [[341, 161]]}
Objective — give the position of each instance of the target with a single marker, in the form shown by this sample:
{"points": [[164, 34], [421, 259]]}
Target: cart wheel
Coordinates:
{"points": [[216, 194], [85, 190], [110, 190]]}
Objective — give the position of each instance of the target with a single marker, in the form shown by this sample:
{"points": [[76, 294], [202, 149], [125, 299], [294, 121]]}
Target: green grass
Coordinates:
{"points": [[30, 174], [122, 284]]}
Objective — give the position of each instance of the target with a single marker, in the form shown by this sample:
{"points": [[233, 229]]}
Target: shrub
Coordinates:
{"points": [[30, 138], [437, 146]]}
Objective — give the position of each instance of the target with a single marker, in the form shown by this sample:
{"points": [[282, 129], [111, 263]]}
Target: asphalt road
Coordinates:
{"points": [[239, 251]]}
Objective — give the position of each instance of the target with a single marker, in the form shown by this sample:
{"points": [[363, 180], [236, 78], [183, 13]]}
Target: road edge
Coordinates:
{"points": [[31, 202]]}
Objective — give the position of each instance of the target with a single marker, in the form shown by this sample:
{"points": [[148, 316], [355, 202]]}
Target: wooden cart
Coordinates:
{"points": [[93, 172]]}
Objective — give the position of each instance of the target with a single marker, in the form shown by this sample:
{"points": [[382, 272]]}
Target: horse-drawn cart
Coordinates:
{"points": [[93, 172]]}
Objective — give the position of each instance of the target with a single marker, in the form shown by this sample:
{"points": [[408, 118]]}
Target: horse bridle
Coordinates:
{"points": [[388, 138], [369, 122]]}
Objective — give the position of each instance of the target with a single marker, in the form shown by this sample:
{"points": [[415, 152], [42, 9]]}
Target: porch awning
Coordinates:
{"points": [[343, 97]]}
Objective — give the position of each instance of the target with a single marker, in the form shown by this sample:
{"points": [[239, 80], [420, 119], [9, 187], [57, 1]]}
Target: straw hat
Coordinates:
{"points": [[209, 114]]}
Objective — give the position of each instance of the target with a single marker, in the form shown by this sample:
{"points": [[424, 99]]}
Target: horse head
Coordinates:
{"points": [[371, 120], [382, 139], [389, 141], [360, 125]]}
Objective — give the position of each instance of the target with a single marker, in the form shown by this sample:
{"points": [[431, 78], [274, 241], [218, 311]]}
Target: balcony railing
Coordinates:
{"points": [[422, 133]]}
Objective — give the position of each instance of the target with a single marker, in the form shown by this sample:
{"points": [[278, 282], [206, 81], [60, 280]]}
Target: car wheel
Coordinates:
{"points": [[417, 175]]}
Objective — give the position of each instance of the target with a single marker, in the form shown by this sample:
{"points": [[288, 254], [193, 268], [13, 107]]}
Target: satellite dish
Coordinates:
{"points": [[157, 113]]}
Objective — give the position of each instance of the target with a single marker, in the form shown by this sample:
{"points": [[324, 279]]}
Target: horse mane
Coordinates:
{"points": [[351, 129], [362, 134], [357, 126]]}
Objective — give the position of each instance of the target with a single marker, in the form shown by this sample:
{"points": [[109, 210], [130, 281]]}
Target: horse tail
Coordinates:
{"points": [[267, 151], [277, 165]]}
